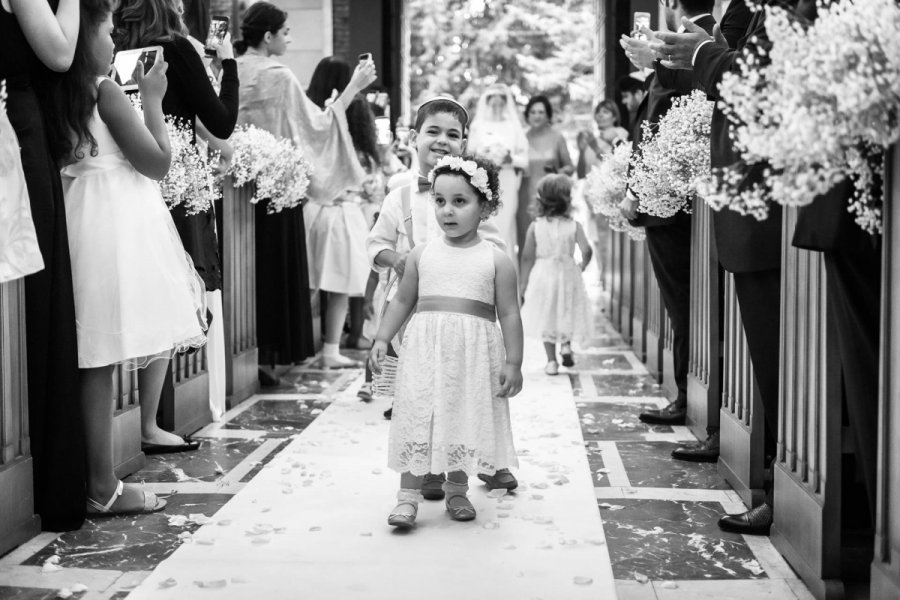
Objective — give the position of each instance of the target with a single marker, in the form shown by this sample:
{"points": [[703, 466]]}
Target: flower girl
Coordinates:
{"points": [[556, 307], [137, 297], [454, 377]]}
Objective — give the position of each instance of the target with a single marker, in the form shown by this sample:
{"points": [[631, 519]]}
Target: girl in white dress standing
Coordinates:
{"points": [[556, 308], [497, 134], [456, 371], [137, 296]]}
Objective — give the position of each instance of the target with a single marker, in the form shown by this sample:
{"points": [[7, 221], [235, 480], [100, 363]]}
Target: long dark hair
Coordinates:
{"points": [[141, 23], [260, 18], [361, 123], [197, 18], [72, 98], [331, 73]]}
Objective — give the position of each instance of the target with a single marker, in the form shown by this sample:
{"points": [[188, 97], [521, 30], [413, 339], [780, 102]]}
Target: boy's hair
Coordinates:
{"points": [[69, 106], [439, 105], [493, 180], [554, 196]]}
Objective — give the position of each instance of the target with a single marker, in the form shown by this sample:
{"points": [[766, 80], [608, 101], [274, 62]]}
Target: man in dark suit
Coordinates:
{"points": [[668, 239], [747, 248]]}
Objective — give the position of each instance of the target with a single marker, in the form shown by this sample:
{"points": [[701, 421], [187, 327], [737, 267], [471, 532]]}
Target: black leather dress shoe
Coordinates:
{"points": [[706, 451], [756, 521], [670, 415]]}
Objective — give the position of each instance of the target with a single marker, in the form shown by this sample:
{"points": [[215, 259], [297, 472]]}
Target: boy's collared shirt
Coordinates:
{"points": [[389, 232]]}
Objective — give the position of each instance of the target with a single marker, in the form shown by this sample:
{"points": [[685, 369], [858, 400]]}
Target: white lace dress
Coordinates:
{"points": [[137, 295], [447, 415], [556, 307]]}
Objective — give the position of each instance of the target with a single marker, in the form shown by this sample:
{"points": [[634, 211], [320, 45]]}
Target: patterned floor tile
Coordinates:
{"points": [[135, 543], [26, 593], [672, 540], [627, 385], [650, 464], [602, 362], [278, 416], [616, 421], [212, 461]]}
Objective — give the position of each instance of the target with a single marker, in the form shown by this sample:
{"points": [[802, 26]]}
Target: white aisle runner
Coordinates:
{"points": [[313, 523]]}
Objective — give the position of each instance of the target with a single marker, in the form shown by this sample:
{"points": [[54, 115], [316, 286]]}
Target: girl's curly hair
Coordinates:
{"points": [[554, 196], [493, 176]]}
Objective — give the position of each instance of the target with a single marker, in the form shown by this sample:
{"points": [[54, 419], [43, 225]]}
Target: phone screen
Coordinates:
{"points": [[383, 130], [217, 30], [126, 62], [641, 19]]}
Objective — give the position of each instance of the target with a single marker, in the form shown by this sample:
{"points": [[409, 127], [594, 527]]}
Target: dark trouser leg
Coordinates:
{"points": [[670, 255], [759, 298], [853, 284]]}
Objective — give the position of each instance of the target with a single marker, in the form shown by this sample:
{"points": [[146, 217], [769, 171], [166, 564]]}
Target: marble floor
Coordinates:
{"points": [[288, 496]]}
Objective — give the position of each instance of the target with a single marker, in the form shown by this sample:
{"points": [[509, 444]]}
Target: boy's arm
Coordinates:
{"points": [[507, 302], [489, 232], [381, 243], [404, 300]]}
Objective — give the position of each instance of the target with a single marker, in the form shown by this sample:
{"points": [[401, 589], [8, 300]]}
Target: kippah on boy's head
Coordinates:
{"points": [[442, 104]]}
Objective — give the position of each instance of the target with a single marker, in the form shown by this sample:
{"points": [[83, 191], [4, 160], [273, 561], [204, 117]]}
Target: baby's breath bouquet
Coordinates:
{"points": [[190, 181], [673, 158], [816, 108], [276, 165], [605, 186]]}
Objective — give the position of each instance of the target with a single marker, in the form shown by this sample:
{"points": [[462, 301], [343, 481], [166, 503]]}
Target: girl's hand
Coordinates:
{"points": [[153, 84], [376, 356], [224, 51], [364, 75], [510, 381]]}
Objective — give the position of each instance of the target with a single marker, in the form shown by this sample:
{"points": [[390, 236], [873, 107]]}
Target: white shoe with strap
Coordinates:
{"points": [[152, 503]]}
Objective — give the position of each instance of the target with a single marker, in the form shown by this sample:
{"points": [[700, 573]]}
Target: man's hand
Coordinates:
{"points": [[628, 207], [638, 52], [676, 50]]}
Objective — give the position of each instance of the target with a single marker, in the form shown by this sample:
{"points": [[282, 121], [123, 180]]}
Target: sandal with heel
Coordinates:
{"points": [[152, 504]]}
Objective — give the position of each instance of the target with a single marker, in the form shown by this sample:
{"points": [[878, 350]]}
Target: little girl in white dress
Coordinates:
{"points": [[556, 308], [451, 410], [137, 297]]}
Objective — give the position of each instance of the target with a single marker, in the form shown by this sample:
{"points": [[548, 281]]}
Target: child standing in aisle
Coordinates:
{"points": [[407, 219], [453, 380], [137, 296], [556, 307]]}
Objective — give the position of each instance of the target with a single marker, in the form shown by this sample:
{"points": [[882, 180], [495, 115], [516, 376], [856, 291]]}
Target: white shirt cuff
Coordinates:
{"points": [[697, 50]]}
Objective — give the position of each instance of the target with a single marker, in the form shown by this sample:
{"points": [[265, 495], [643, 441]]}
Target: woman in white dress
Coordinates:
{"points": [[497, 134]]}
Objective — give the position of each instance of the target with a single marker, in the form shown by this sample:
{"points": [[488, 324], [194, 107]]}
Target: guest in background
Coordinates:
{"points": [[336, 227], [631, 92], [496, 133], [37, 38], [272, 99], [547, 153]]}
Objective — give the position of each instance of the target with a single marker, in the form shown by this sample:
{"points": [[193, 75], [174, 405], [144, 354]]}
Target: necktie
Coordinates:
{"points": [[424, 184]]}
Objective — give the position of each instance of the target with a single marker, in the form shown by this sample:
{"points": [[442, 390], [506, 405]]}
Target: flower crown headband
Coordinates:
{"points": [[478, 177]]}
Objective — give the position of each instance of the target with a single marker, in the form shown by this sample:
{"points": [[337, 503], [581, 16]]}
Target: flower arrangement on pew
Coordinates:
{"points": [[673, 158], [605, 187], [276, 165], [190, 181], [816, 108]]}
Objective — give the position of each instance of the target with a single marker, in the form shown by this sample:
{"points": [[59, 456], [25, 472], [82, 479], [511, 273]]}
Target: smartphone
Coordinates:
{"points": [[383, 131], [365, 56], [218, 28], [641, 19], [126, 62]]}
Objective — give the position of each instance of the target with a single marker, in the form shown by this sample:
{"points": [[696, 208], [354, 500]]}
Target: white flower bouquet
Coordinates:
{"points": [[604, 189], [190, 181], [276, 165], [674, 158], [496, 153], [817, 108]]}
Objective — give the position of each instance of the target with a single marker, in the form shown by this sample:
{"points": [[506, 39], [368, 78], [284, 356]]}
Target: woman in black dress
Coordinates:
{"points": [[190, 96], [34, 42]]}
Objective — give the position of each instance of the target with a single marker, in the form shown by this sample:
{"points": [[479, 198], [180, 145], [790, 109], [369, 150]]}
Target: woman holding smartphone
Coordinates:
{"points": [[272, 99], [190, 96]]}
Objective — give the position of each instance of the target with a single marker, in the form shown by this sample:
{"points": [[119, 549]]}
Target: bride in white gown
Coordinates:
{"points": [[497, 134]]}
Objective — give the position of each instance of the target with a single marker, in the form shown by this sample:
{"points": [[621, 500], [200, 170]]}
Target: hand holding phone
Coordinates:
{"points": [[641, 21], [127, 63], [153, 83], [218, 30], [365, 57]]}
